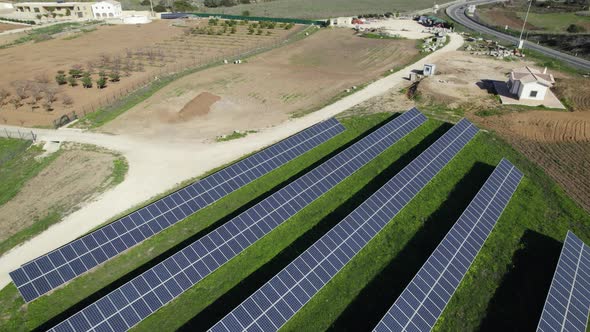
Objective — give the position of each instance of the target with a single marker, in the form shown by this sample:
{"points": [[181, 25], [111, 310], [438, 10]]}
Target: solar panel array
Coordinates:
{"points": [[137, 299], [568, 302], [271, 306], [424, 299], [51, 270]]}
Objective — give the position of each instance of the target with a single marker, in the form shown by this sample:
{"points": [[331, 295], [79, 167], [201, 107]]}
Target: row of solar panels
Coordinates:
{"points": [[277, 301]]}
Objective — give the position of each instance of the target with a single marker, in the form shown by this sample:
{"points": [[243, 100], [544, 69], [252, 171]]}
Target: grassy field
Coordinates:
{"points": [[555, 22], [314, 9], [517, 262], [18, 165]]}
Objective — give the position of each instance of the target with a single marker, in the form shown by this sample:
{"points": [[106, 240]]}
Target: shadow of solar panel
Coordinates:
{"points": [[271, 306], [49, 271], [159, 285], [424, 299], [568, 302]]}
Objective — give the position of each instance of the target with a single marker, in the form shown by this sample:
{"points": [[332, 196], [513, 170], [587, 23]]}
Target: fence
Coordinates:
{"points": [[165, 75], [28, 135], [245, 18]]}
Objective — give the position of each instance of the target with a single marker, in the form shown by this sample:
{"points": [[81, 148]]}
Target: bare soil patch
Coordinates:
{"points": [[500, 17], [267, 89], [6, 27], [71, 179], [199, 106]]}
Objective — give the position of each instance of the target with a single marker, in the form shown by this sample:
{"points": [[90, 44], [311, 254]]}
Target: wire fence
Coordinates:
{"points": [[28, 135], [168, 73]]}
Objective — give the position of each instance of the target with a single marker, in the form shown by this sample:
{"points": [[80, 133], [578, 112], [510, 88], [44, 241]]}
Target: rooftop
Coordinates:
{"points": [[529, 75]]}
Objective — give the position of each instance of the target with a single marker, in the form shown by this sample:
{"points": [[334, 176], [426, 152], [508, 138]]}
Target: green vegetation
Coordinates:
{"points": [[18, 165], [45, 33], [235, 135], [17, 20], [37, 227], [539, 213], [120, 168], [378, 36], [313, 9], [555, 22]]}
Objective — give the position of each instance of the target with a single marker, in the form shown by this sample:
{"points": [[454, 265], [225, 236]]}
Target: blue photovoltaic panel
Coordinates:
{"points": [[568, 302], [424, 299], [135, 300], [49, 271], [271, 306]]}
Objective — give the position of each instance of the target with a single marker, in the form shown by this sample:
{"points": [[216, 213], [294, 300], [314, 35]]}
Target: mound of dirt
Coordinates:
{"points": [[199, 106]]}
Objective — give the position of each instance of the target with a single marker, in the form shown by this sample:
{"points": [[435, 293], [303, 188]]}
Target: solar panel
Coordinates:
{"points": [[51, 270], [271, 306], [135, 300], [568, 302], [424, 299]]}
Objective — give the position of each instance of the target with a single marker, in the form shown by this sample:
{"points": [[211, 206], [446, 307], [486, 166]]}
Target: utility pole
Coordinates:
{"points": [[152, 6], [520, 41]]}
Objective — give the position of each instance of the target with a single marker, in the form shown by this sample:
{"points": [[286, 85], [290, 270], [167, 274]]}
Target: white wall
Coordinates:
{"points": [[524, 91], [106, 9]]}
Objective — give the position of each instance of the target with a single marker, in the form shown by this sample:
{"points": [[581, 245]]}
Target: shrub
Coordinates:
{"points": [[42, 78], [87, 82], [72, 81], [41, 37], [259, 32], [76, 71], [68, 12], [67, 100], [60, 78], [233, 30], [573, 28], [115, 76], [246, 13], [101, 83], [4, 94]]}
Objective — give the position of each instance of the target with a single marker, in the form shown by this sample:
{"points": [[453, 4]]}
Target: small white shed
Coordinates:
{"points": [[530, 83]]}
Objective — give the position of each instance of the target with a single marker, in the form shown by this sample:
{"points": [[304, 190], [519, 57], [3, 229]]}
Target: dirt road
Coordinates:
{"points": [[157, 166]]}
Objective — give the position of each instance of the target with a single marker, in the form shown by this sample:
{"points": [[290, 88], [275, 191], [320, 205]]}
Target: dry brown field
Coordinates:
{"points": [[6, 27], [267, 89], [139, 53]]}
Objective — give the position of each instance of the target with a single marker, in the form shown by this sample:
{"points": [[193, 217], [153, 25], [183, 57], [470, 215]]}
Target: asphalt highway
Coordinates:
{"points": [[458, 13]]}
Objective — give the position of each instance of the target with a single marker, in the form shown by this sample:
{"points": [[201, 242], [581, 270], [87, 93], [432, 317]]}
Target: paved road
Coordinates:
{"points": [[457, 13], [155, 167]]}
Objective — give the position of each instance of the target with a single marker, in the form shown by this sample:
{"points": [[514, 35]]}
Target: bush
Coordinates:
{"points": [[246, 13], [101, 83], [115, 76], [60, 78], [72, 81], [573, 28], [76, 71], [87, 82]]}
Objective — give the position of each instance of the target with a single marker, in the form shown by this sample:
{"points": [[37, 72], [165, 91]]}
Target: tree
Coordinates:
{"points": [[67, 100], [87, 82], [182, 6], [39, 16], [101, 83], [68, 12], [60, 78], [72, 81], [159, 8]]}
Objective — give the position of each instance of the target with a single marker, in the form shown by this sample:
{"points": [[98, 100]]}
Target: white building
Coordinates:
{"points": [[106, 9], [530, 83]]}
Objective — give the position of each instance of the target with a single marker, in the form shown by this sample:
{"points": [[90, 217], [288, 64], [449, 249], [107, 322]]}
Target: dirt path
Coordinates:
{"points": [[157, 166]]}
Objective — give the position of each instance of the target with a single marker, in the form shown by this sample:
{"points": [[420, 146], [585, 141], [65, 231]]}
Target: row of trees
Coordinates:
{"points": [[85, 78], [224, 3], [36, 93]]}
